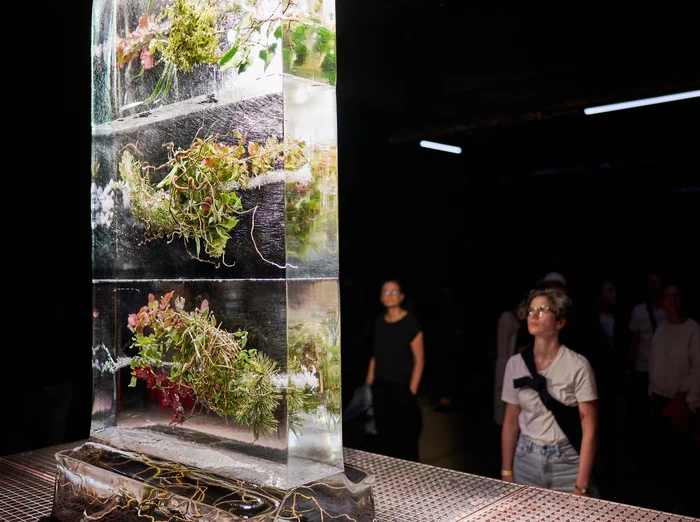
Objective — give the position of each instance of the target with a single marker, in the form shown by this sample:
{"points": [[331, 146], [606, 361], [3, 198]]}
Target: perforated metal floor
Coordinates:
{"points": [[404, 492], [535, 504], [407, 491]]}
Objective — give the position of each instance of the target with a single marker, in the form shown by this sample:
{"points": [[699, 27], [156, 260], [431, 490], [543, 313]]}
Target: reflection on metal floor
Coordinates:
{"points": [[404, 492]]}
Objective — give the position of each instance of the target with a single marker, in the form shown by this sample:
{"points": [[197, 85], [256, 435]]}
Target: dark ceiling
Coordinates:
{"points": [[450, 68]]}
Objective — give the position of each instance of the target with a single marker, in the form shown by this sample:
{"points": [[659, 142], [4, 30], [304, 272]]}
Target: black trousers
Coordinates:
{"points": [[398, 420]]}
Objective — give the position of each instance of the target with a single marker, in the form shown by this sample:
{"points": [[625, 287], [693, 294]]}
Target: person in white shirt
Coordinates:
{"points": [[535, 450], [674, 372]]}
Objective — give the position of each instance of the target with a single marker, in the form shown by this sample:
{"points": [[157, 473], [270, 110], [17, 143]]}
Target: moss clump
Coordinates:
{"points": [[192, 37]]}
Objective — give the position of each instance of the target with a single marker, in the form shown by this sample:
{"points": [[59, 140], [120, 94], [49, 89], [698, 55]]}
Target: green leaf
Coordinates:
{"points": [[229, 54]]}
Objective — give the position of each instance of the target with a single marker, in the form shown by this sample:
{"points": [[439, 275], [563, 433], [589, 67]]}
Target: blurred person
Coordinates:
{"points": [[507, 329], [549, 430], [604, 343], [645, 319], [674, 394], [395, 372]]}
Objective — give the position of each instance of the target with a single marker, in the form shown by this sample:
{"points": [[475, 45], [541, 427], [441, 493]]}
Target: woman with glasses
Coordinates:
{"points": [[549, 432], [395, 372]]}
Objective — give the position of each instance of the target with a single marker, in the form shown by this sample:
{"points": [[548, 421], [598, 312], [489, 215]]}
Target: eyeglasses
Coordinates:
{"points": [[539, 312], [391, 292]]}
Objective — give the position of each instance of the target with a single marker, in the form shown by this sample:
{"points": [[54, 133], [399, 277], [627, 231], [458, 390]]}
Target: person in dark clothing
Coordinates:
{"points": [[604, 331], [395, 372]]}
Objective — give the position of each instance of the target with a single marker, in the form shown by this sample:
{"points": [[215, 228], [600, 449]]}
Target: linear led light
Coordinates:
{"points": [[440, 146], [642, 102]]}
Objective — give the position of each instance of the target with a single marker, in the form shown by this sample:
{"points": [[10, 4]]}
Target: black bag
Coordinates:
{"points": [[566, 416]]}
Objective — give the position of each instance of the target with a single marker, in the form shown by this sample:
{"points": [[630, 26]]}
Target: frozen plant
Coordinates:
{"points": [[212, 366]]}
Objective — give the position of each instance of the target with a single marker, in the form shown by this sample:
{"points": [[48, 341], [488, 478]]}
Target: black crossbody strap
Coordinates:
{"points": [[567, 417]]}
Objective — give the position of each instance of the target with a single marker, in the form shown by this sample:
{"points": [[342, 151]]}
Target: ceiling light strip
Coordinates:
{"points": [[441, 147], [642, 102]]}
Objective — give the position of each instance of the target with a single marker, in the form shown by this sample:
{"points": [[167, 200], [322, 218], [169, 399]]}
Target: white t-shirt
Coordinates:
{"points": [[570, 380], [640, 323], [674, 361]]}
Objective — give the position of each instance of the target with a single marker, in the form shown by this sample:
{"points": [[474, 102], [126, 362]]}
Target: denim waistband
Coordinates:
{"points": [[544, 449]]}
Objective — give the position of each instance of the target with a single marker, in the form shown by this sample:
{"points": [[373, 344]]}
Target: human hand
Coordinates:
{"points": [[508, 478]]}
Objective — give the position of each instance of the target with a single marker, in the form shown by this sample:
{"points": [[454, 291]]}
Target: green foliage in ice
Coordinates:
{"points": [[187, 33], [197, 200], [255, 38], [210, 364], [183, 35], [147, 203], [308, 203], [309, 50], [192, 37], [314, 348]]}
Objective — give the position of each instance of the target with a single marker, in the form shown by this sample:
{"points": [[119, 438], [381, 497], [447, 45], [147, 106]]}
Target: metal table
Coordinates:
{"points": [[404, 492]]}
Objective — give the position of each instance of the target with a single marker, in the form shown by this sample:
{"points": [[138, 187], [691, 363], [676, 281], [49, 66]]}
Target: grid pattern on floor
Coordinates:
{"points": [[24, 496], [535, 504], [408, 491], [42, 460], [404, 492]]}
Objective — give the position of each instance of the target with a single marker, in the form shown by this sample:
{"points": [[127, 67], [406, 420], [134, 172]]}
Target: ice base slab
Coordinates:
{"points": [[96, 481]]}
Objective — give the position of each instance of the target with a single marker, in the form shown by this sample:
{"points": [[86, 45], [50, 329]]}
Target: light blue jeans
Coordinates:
{"points": [[551, 466]]}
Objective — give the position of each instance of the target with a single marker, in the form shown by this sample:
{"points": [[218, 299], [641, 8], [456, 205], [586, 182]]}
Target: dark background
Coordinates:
{"points": [[539, 185]]}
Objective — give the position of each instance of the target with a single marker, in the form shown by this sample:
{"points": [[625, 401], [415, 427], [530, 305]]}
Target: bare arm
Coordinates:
{"points": [[418, 362], [509, 438], [370, 371], [588, 412]]}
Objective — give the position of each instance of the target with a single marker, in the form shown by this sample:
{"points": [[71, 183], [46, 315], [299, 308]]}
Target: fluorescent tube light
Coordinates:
{"points": [[440, 146], [641, 103]]}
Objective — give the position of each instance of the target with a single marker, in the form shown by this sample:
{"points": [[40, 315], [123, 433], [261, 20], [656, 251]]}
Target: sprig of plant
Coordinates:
{"points": [[223, 376], [197, 200], [145, 43], [185, 36]]}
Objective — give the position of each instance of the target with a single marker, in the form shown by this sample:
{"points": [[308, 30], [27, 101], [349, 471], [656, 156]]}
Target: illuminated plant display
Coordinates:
{"points": [[198, 200], [188, 355], [188, 33]]}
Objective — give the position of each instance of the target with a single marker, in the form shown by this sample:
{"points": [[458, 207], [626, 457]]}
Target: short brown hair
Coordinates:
{"points": [[559, 301]]}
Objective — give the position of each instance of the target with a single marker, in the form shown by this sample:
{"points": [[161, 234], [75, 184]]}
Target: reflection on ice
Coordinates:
{"points": [[97, 481], [223, 456]]}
